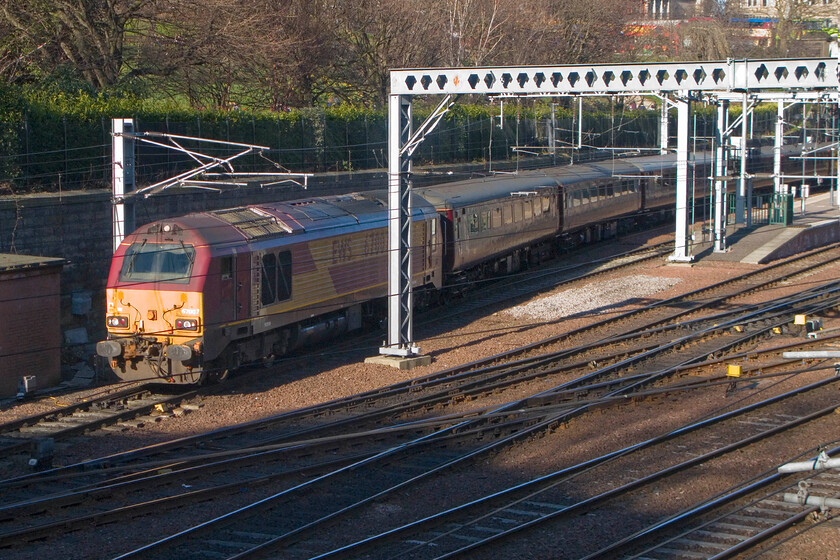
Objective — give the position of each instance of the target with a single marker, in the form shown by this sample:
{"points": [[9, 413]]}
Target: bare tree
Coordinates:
{"points": [[574, 31], [221, 53], [377, 35], [790, 17], [87, 35], [703, 39], [475, 29]]}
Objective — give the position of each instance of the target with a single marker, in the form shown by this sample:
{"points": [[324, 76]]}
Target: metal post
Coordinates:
{"points": [[663, 127], [743, 205], [835, 127], [681, 231], [720, 171], [777, 148], [580, 123], [122, 152], [400, 327], [552, 130]]}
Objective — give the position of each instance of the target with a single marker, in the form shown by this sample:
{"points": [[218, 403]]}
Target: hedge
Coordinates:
{"points": [[51, 141]]}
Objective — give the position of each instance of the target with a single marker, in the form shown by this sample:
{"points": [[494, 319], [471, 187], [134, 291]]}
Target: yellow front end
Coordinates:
{"points": [[154, 335]]}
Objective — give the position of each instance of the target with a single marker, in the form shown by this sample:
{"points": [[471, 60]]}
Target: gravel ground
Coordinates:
{"points": [[331, 375]]}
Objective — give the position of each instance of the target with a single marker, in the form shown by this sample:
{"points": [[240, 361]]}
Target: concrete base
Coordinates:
{"points": [[400, 362]]}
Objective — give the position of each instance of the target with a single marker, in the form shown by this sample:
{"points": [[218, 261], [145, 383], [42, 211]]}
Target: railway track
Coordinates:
{"points": [[122, 408], [515, 424], [324, 505], [752, 515], [555, 498], [342, 446], [119, 409], [621, 354]]}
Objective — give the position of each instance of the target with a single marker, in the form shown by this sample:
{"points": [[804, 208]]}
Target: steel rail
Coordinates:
{"points": [[110, 460], [533, 488], [171, 541]]}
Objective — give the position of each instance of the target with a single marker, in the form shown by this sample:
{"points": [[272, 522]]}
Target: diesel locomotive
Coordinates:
{"points": [[190, 299]]}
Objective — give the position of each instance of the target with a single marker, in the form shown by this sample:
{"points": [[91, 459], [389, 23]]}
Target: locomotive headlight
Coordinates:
{"points": [[186, 324], [117, 322]]}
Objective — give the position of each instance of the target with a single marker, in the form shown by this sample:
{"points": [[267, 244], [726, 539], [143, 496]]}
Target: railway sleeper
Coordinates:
{"points": [[694, 545], [722, 537]]}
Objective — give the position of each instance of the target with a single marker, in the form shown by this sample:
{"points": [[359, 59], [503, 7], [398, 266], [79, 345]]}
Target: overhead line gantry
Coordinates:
{"points": [[678, 84]]}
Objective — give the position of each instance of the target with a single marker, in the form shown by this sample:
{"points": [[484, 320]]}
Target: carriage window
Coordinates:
{"points": [[517, 212], [537, 207], [268, 287], [546, 204], [496, 218], [485, 220], [474, 223], [507, 214], [529, 210], [609, 190], [158, 262]]}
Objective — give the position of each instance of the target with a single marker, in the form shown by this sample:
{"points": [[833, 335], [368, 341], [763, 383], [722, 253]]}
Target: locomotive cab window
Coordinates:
{"points": [[158, 262]]}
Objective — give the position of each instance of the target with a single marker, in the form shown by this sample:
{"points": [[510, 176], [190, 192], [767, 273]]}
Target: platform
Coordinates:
{"points": [[816, 226]]}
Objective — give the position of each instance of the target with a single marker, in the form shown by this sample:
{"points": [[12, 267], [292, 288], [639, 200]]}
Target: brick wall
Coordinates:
{"points": [[30, 337]]}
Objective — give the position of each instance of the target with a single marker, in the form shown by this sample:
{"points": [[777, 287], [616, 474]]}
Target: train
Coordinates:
{"points": [[193, 298]]}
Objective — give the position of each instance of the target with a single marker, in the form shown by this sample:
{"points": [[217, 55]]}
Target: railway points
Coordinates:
{"points": [[521, 411], [760, 375]]}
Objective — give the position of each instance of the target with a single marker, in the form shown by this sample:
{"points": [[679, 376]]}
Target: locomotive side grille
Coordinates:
{"points": [[253, 223]]}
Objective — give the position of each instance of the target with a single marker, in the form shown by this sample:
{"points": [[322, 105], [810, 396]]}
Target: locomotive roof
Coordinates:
{"points": [[305, 215], [262, 221]]}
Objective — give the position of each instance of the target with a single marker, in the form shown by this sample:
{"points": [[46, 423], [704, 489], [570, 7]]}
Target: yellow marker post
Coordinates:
{"points": [[733, 371], [799, 319]]}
